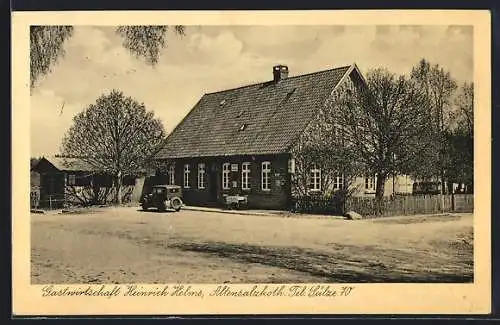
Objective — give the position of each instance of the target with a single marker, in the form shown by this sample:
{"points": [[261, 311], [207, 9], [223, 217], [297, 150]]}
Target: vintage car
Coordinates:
{"points": [[163, 197]]}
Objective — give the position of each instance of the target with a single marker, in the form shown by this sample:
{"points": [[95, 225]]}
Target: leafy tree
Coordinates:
{"points": [[459, 164], [459, 159], [463, 117], [47, 45], [116, 135], [146, 41]]}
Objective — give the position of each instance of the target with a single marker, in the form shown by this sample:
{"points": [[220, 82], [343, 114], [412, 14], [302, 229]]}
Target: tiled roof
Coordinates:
{"points": [[264, 118]]}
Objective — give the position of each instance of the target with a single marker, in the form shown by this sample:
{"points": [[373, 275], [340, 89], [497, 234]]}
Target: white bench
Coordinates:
{"points": [[236, 201]]}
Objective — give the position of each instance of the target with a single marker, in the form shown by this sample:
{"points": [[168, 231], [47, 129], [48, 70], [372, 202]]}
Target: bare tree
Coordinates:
{"points": [[116, 135], [323, 146], [47, 44], [438, 86], [384, 123], [323, 149]]}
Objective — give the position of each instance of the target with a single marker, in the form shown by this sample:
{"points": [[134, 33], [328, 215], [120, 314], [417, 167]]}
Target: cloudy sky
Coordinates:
{"points": [[211, 58]]}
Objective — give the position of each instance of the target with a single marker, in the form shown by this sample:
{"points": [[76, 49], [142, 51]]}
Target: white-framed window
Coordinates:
{"points": [[266, 176], [226, 169], [201, 176], [245, 176], [338, 181], [370, 183], [171, 174], [72, 179], [315, 178], [187, 172]]}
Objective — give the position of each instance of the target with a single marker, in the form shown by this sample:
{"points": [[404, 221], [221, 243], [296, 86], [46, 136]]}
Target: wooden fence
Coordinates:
{"points": [[412, 204], [49, 202], [391, 206], [78, 196], [463, 203]]}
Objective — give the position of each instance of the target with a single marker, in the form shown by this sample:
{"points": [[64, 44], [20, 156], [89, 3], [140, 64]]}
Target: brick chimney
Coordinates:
{"points": [[280, 72]]}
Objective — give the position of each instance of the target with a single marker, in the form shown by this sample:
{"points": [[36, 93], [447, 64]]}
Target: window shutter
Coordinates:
{"points": [[291, 166]]}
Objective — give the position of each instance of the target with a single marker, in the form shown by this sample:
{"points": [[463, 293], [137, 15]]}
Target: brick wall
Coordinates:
{"points": [[276, 198]]}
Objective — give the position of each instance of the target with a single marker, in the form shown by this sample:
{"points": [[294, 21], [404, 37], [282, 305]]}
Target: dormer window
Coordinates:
{"points": [[243, 127], [222, 102]]}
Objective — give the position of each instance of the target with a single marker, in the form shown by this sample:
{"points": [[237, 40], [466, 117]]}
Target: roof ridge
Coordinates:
{"points": [[262, 82]]}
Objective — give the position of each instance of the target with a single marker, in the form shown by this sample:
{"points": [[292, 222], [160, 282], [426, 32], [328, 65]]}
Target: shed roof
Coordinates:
{"points": [[68, 164]]}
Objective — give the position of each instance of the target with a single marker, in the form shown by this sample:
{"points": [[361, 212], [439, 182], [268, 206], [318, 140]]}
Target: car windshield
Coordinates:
{"points": [[158, 190]]}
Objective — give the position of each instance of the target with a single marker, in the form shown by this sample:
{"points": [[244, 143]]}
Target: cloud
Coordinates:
{"points": [[51, 117], [397, 48], [222, 49], [93, 62], [213, 58]]}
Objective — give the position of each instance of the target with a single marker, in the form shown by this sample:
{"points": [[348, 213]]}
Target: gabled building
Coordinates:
{"points": [[239, 141]]}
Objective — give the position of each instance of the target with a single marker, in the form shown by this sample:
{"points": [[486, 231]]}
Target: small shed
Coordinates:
{"points": [[71, 181]]}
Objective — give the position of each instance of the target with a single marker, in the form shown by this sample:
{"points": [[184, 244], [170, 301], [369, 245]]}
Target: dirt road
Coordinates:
{"points": [[124, 245]]}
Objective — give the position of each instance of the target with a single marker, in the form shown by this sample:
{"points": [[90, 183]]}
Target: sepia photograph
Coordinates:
{"points": [[230, 154]]}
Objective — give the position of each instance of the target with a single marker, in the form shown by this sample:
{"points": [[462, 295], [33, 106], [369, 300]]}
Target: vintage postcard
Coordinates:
{"points": [[264, 162]]}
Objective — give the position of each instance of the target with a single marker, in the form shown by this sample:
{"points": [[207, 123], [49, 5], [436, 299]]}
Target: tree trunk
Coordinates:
{"points": [[442, 192], [379, 193], [95, 191], [118, 198]]}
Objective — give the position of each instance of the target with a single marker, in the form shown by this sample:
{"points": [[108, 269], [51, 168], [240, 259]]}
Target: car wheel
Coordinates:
{"points": [[144, 207], [176, 204]]}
